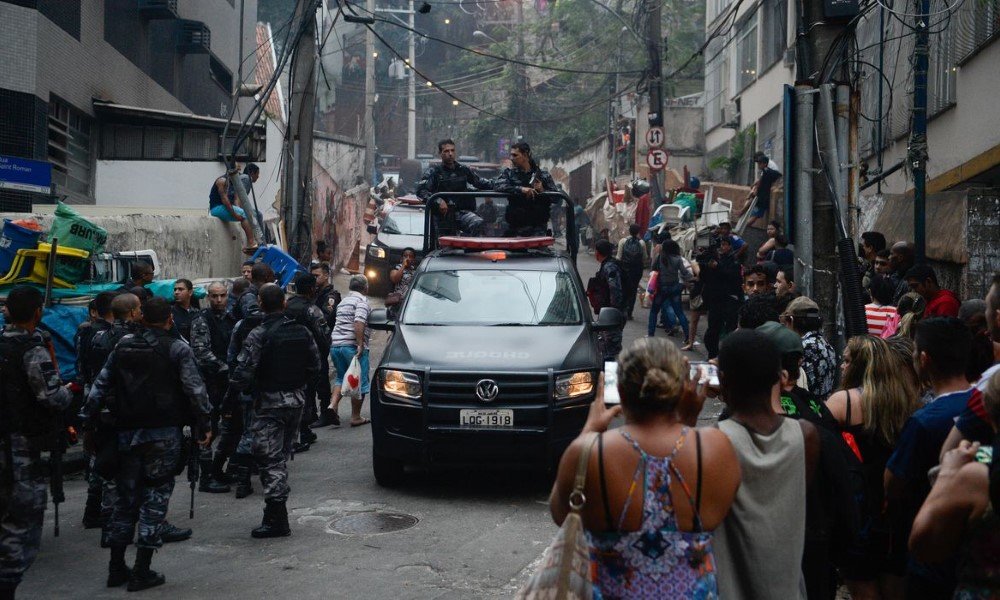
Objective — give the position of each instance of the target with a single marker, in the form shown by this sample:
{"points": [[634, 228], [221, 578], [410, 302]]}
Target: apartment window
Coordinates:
{"points": [[775, 38], [746, 52], [941, 72], [976, 24], [137, 142], [716, 8], [770, 134], [69, 148], [716, 82]]}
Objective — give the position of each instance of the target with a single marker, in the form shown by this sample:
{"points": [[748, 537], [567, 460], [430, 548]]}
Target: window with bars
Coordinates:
{"points": [[770, 134], [69, 149], [976, 25], [137, 142], [775, 36], [746, 52]]}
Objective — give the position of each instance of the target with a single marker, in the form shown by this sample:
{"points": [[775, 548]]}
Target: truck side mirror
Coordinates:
{"points": [[609, 318], [378, 319]]}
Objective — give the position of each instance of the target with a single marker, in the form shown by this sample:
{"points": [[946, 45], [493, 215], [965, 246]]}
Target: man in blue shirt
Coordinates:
{"points": [[942, 348]]}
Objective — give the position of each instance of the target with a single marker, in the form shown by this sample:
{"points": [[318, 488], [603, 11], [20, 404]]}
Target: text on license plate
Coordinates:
{"points": [[494, 417]]}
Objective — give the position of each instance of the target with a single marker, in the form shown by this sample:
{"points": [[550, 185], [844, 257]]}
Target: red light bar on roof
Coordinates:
{"points": [[479, 243]]}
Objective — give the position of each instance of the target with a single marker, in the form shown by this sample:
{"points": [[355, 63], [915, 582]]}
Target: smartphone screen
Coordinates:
{"points": [[611, 383], [707, 373]]}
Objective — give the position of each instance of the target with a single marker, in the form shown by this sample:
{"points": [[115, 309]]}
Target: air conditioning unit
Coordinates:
{"points": [[158, 9], [193, 37], [789, 60], [731, 115]]}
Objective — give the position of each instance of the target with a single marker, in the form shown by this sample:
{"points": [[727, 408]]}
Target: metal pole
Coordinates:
{"points": [[881, 60], [368, 129], [828, 144], [655, 49], [411, 102], [842, 121], [917, 151], [803, 187], [522, 87]]}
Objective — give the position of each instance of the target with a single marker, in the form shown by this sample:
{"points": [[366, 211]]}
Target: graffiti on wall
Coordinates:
{"points": [[338, 215]]}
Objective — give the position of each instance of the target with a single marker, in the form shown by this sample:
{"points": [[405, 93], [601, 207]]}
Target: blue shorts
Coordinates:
{"points": [[760, 209], [220, 212], [341, 357]]}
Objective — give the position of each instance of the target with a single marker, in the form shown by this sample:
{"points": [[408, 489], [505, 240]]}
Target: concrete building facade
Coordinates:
{"points": [[174, 58], [746, 67]]}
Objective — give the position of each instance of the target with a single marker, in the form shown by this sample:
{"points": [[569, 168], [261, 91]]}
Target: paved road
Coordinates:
{"points": [[477, 534]]}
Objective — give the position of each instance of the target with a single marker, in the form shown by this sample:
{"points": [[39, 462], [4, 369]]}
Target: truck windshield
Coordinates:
{"points": [[404, 221], [498, 298]]}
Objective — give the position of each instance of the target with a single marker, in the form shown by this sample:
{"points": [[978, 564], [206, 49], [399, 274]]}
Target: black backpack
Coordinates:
{"points": [[101, 345], [633, 254], [285, 359], [20, 412]]}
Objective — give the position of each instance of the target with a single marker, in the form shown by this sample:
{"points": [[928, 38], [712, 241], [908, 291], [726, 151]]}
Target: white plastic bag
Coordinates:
{"points": [[351, 387]]}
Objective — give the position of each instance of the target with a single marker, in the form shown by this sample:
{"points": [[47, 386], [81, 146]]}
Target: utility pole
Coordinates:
{"points": [[521, 94], [654, 43], [368, 130], [825, 233], [916, 153], [411, 101], [296, 206]]}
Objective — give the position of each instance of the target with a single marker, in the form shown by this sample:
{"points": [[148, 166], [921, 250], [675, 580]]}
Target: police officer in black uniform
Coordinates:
{"points": [[86, 373], [151, 387], [246, 302], [527, 214], [211, 330], [302, 309], [126, 309], [279, 357], [451, 176], [32, 398]]}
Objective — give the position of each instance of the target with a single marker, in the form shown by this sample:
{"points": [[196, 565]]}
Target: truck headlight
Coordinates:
{"points": [[376, 251], [574, 385], [401, 385]]}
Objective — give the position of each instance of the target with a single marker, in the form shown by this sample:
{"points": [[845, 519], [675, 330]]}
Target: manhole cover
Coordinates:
{"points": [[372, 523]]}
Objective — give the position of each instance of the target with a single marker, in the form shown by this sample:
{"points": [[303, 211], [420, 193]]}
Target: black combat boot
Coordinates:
{"points": [[118, 571], [275, 522], [244, 486], [216, 483], [327, 417], [143, 577], [204, 470], [92, 518], [306, 436], [170, 533]]}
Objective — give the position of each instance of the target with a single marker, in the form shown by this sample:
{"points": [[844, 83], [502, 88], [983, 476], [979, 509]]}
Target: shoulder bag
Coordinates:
{"points": [[564, 573]]}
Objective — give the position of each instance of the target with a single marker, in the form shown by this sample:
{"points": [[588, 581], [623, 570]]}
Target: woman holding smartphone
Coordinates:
{"points": [[645, 480]]}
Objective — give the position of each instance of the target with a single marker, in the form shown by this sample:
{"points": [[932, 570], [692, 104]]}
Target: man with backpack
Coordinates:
{"points": [[302, 309], [634, 258], [605, 290], [31, 398], [150, 387], [278, 357]]}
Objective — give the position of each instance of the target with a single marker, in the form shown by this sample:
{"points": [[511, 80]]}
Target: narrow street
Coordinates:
{"points": [[475, 535]]}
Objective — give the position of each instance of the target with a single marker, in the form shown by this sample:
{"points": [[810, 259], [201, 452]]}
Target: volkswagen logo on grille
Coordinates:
{"points": [[487, 390]]}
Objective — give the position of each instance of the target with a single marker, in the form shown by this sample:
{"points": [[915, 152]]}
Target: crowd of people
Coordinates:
{"points": [[242, 375], [868, 469]]}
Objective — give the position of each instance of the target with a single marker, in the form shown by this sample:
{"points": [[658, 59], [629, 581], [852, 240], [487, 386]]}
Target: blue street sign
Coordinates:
{"points": [[25, 175]]}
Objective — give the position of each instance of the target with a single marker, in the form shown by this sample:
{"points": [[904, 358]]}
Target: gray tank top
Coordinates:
{"points": [[758, 547]]}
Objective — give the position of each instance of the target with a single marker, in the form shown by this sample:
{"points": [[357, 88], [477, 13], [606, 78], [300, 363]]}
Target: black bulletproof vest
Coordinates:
{"points": [[103, 343], [241, 331], [284, 356], [297, 309], [219, 331], [148, 387], [20, 411]]}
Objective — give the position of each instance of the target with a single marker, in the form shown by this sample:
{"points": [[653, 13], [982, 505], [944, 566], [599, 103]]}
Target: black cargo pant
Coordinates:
{"points": [[722, 316], [630, 284]]}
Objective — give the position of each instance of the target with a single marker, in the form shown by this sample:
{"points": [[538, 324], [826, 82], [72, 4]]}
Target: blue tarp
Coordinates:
{"points": [[62, 322]]}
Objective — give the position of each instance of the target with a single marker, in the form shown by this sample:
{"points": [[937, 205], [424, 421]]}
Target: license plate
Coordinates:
{"points": [[489, 418]]}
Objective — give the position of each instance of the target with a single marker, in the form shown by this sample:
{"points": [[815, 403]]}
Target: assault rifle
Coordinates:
{"points": [[192, 468], [56, 474]]}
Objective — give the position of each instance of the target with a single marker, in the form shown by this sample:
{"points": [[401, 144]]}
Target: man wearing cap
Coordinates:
{"points": [[796, 401], [819, 360]]}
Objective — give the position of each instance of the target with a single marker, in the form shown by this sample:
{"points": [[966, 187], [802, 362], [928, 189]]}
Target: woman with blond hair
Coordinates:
{"points": [[656, 488], [879, 391]]}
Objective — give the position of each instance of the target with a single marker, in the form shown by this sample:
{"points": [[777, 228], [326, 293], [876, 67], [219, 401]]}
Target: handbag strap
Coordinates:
{"points": [[577, 498]]}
